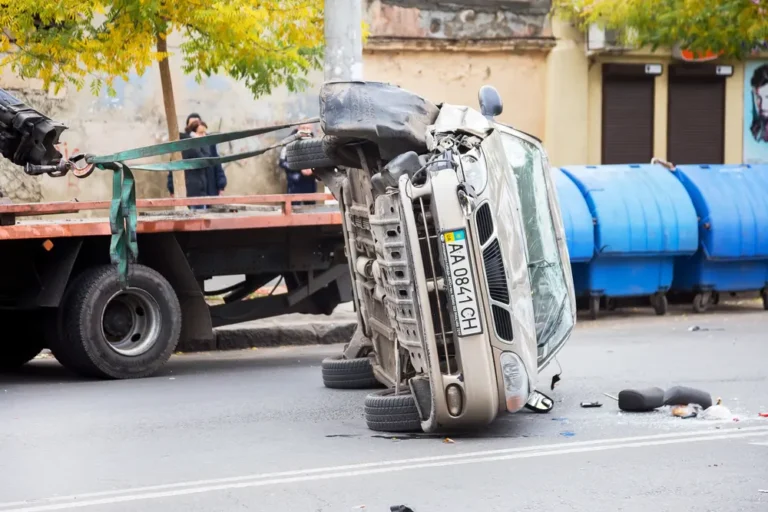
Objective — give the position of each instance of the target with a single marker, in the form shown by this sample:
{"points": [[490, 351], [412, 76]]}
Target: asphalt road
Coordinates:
{"points": [[255, 430]]}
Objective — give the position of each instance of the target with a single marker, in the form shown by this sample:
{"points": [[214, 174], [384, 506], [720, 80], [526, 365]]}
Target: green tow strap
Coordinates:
{"points": [[123, 216]]}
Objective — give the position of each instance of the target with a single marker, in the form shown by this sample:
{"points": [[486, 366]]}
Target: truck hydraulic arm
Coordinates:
{"points": [[28, 138]]}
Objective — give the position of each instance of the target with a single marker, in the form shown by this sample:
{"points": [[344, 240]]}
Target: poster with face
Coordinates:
{"points": [[756, 112]]}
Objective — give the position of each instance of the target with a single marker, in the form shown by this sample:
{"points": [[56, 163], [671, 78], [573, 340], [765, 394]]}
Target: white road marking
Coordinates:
{"points": [[353, 470]]}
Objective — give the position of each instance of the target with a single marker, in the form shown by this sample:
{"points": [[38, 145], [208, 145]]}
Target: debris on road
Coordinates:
{"points": [[686, 411], [590, 405], [717, 412], [764, 414], [568, 433], [448, 440], [641, 400], [682, 395]]}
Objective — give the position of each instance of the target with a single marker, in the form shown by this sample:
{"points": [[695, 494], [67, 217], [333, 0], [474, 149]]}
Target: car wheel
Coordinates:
{"points": [[387, 412], [307, 154], [341, 373], [105, 331]]}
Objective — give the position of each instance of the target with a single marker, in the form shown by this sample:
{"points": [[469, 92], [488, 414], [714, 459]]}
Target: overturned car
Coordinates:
{"points": [[456, 250]]}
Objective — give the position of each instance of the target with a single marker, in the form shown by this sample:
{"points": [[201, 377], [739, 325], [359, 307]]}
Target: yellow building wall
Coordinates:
{"points": [[574, 97], [455, 76]]}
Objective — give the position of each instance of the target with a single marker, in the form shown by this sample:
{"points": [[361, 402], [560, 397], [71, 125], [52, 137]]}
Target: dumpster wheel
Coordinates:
{"points": [[594, 307], [701, 302], [660, 304], [764, 294]]}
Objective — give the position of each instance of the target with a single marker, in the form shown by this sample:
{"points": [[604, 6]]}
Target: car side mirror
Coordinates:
{"points": [[490, 102]]}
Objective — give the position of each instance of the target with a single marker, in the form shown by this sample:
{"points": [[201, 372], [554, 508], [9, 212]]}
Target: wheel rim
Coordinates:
{"points": [[130, 322]]}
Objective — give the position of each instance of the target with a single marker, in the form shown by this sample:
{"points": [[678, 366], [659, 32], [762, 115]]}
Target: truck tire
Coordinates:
{"points": [[17, 352], [110, 333], [387, 412], [307, 154], [341, 373]]}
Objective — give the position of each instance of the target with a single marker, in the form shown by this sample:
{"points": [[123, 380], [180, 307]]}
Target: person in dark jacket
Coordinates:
{"points": [[209, 181], [299, 182]]}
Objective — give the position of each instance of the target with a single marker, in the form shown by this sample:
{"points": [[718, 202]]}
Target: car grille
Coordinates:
{"points": [[484, 223], [502, 320], [439, 302], [495, 273]]}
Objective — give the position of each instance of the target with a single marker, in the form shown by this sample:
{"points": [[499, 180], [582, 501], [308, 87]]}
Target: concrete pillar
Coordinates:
{"points": [[343, 40], [343, 43]]}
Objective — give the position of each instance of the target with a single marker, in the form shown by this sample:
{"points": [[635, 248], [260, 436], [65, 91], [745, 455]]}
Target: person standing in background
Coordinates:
{"points": [[299, 182], [215, 179]]}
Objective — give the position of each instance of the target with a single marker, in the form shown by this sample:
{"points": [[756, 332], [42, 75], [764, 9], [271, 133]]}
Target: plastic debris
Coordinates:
{"points": [[448, 440], [686, 411], [717, 412], [764, 491], [764, 414], [590, 405], [568, 433]]}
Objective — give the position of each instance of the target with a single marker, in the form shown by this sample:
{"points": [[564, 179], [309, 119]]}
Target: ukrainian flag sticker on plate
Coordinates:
{"points": [[455, 236]]}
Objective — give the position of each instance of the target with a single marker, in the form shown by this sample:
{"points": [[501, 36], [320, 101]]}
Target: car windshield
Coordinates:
{"points": [[551, 303]]}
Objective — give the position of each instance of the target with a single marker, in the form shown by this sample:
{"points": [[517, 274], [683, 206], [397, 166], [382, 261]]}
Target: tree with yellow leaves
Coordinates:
{"points": [[731, 28], [264, 43]]}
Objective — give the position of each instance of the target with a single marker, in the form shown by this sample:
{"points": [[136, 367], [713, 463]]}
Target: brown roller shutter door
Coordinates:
{"points": [[696, 118], [627, 115]]}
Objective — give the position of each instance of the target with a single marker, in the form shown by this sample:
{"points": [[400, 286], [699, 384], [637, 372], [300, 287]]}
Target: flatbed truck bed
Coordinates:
{"points": [[57, 283]]}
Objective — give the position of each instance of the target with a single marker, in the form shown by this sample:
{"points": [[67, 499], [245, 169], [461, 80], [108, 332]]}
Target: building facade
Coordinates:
{"points": [[612, 105]]}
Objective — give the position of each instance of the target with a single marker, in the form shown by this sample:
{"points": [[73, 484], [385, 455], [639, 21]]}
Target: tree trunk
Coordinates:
{"points": [[179, 185]]}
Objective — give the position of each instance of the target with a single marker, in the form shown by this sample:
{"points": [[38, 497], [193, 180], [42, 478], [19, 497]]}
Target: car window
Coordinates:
{"points": [[549, 285]]}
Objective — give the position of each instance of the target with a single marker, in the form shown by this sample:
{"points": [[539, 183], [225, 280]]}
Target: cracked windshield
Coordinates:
{"points": [[259, 255]]}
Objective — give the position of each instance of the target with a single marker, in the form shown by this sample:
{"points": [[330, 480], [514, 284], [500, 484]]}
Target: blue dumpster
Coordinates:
{"points": [[577, 221], [643, 219], [731, 202]]}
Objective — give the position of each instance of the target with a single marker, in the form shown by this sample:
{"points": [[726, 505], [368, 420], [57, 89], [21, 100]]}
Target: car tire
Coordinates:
{"points": [[307, 154], [387, 412], [110, 333], [341, 373]]}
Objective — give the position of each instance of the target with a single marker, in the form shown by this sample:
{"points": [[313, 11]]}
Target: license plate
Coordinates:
{"points": [[463, 291]]}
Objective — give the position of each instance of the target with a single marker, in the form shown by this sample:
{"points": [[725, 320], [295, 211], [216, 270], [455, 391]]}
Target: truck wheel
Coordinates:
{"points": [[341, 373], [387, 412], [108, 332], [17, 352], [307, 154]]}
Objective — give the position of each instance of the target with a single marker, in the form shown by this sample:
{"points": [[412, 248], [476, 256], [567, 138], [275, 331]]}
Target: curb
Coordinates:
{"points": [[268, 336]]}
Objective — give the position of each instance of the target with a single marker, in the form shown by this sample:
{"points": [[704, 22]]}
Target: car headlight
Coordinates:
{"points": [[515, 377], [475, 170]]}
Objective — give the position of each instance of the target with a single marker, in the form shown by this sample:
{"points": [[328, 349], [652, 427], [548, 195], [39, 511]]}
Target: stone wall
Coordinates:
{"points": [[135, 117]]}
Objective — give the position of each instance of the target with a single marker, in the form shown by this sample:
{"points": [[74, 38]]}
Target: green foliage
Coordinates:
{"points": [[734, 28], [264, 43]]}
